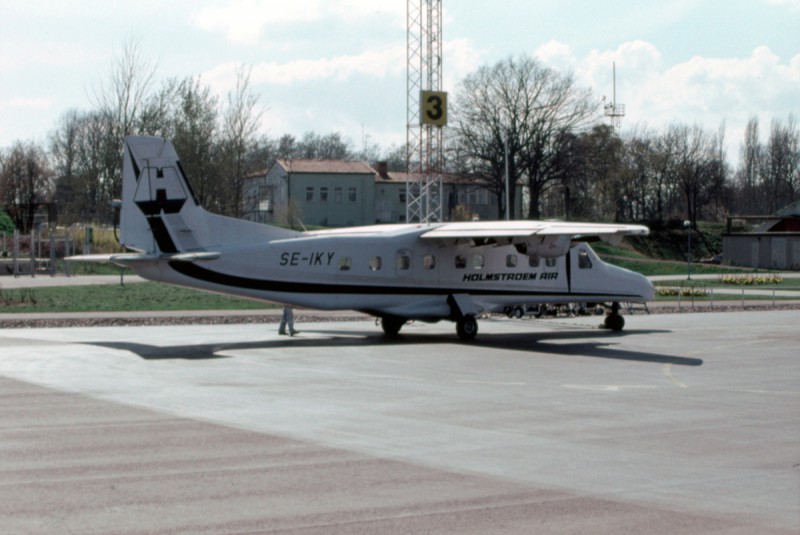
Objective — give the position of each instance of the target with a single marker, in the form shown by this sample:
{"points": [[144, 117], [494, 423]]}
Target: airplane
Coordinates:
{"points": [[429, 272]]}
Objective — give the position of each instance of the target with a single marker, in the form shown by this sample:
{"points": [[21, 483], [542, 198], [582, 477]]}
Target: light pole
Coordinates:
{"points": [[688, 226], [508, 182]]}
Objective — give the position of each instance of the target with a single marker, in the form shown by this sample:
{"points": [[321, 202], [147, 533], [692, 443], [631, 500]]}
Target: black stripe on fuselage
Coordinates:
{"points": [[235, 281]]}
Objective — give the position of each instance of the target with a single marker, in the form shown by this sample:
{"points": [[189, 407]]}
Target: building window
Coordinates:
{"points": [[337, 194], [473, 197], [323, 194], [352, 194], [309, 193], [265, 198], [402, 194]]}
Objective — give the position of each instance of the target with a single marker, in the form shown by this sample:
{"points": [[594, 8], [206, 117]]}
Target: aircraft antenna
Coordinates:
{"points": [[426, 111], [615, 112]]}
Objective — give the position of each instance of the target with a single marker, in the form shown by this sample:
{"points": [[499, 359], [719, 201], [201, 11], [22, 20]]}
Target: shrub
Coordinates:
{"points": [[751, 279], [6, 225], [675, 291]]}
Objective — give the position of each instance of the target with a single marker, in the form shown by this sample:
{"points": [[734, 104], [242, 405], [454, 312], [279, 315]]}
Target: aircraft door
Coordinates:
{"points": [[582, 269]]}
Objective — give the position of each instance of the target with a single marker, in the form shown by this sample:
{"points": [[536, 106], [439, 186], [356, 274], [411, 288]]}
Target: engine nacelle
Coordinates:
{"points": [[545, 246]]}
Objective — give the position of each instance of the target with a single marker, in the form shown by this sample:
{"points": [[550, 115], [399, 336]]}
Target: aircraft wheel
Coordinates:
{"points": [[391, 325], [518, 313], [615, 322], [467, 328]]}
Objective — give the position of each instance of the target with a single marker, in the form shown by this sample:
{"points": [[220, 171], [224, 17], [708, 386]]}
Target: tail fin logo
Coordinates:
{"points": [[159, 189]]}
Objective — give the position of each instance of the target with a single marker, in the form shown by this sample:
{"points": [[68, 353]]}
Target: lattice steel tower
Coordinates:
{"points": [[426, 111]]}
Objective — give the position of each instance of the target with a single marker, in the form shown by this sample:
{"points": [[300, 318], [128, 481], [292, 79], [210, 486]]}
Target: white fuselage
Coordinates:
{"points": [[394, 273]]}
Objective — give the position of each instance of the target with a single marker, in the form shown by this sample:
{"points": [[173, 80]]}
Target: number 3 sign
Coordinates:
{"points": [[433, 107]]}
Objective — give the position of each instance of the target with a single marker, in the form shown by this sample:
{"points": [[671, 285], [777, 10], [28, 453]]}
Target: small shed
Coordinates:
{"points": [[774, 243]]}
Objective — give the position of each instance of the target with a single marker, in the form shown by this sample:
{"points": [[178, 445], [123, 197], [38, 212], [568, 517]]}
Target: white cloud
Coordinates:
{"points": [[793, 5], [461, 58], [720, 88], [27, 103], [38, 54], [556, 54], [245, 21], [701, 90], [372, 63]]}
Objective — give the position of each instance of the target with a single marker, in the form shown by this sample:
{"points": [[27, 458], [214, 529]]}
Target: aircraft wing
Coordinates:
{"points": [[515, 230]]}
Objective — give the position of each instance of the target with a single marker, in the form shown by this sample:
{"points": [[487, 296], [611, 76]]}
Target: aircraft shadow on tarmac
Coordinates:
{"points": [[592, 344]]}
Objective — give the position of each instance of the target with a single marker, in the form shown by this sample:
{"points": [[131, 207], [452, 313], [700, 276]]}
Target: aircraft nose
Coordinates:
{"points": [[646, 288]]}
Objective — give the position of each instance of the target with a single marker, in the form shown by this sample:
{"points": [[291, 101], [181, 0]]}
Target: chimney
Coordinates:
{"points": [[383, 170]]}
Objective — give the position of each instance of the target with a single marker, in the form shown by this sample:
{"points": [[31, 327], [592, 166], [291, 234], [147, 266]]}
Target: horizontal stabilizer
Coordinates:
{"points": [[128, 259]]}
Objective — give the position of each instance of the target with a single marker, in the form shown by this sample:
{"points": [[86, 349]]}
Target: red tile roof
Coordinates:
{"points": [[326, 167]]}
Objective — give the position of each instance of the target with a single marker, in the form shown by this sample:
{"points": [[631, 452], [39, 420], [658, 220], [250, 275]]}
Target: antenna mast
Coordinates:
{"points": [[426, 111], [615, 112]]}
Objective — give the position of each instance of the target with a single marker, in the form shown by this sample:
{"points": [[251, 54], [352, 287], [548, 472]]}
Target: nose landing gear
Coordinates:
{"points": [[614, 319]]}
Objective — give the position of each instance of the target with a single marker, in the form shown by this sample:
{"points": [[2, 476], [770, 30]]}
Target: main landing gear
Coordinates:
{"points": [[614, 319], [391, 325], [467, 327]]}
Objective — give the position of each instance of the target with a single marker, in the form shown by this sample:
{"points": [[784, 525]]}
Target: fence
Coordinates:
{"points": [[32, 254], [686, 297]]}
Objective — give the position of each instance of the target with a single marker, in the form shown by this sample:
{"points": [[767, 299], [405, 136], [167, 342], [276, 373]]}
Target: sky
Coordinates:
{"points": [[340, 65]]}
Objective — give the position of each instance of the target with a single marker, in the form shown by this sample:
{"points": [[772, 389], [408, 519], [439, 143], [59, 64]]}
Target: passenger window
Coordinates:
{"points": [[345, 263], [461, 261], [533, 261], [550, 262], [477, 261], [429, 261], [511, 261], [584, 262], [375, 263], [403, 260]]}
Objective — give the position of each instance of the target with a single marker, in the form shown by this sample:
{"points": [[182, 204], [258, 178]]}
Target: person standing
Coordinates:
{"points": [[287, 320]]}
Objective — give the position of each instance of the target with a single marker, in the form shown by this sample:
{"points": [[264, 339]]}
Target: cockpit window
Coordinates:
{"points": [[584, 262]]}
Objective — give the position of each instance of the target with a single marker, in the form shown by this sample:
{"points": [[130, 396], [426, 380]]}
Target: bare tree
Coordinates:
{"points": [[527, 108], [591, 165], [748, 174], [241, 120], [699, 167], [780, 165], [25, 182], [119, 100], [122, 96], [314, 146], [489, 112], [194, 123]]}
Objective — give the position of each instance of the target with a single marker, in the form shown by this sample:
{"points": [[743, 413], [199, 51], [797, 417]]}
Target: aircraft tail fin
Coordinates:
{"points": [[153, 189], [162, 215]]}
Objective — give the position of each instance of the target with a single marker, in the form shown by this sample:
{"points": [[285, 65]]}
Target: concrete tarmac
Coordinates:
{"points": [[685, 423]]}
